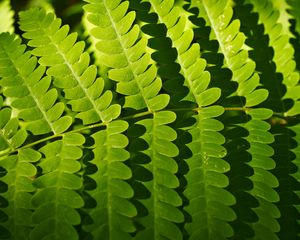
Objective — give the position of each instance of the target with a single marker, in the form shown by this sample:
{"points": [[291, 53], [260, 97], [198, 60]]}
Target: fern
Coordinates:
{"points": [[157, 119], [140, 86], [285, 64], [197, 81], [18, 171], [232, 46], [55, 199], [33, 101], [80, 86]]}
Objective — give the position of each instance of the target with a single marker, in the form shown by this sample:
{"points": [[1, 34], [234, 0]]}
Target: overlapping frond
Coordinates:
{"points": [[122, 49], [296, 174], [226, 31], [69, 65], [283, 16], [206, 180], [274, 18], [113, 214], [27, 91], [283, 57], [56, 200], [16, 201], [204, 201], [16, 177], [190, 132], [263, 180], [163, 204], [192, 66]]}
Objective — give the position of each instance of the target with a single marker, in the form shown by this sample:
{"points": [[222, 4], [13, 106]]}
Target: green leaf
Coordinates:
{"points": [[209, 96], [261, 113], [256, 97]]}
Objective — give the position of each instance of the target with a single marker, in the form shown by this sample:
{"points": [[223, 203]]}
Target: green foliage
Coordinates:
{"points": [[153, 119], [6, 24]]}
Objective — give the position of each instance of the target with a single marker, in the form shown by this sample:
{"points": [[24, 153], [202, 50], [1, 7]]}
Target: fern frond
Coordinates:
{"points": [[206, 152], [232, 45], [226, 30], [7, 17], [69, 66], [163, 204], [206, 180], [284, 137], [56, 200], [284, 17], [158, 119], [283, 50], [264, 181], [87, 97], [27, 91], [19, 178], [130, 66], [113, 214], [296, 175], [18, 175], [122, 49], [192, 66]]}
